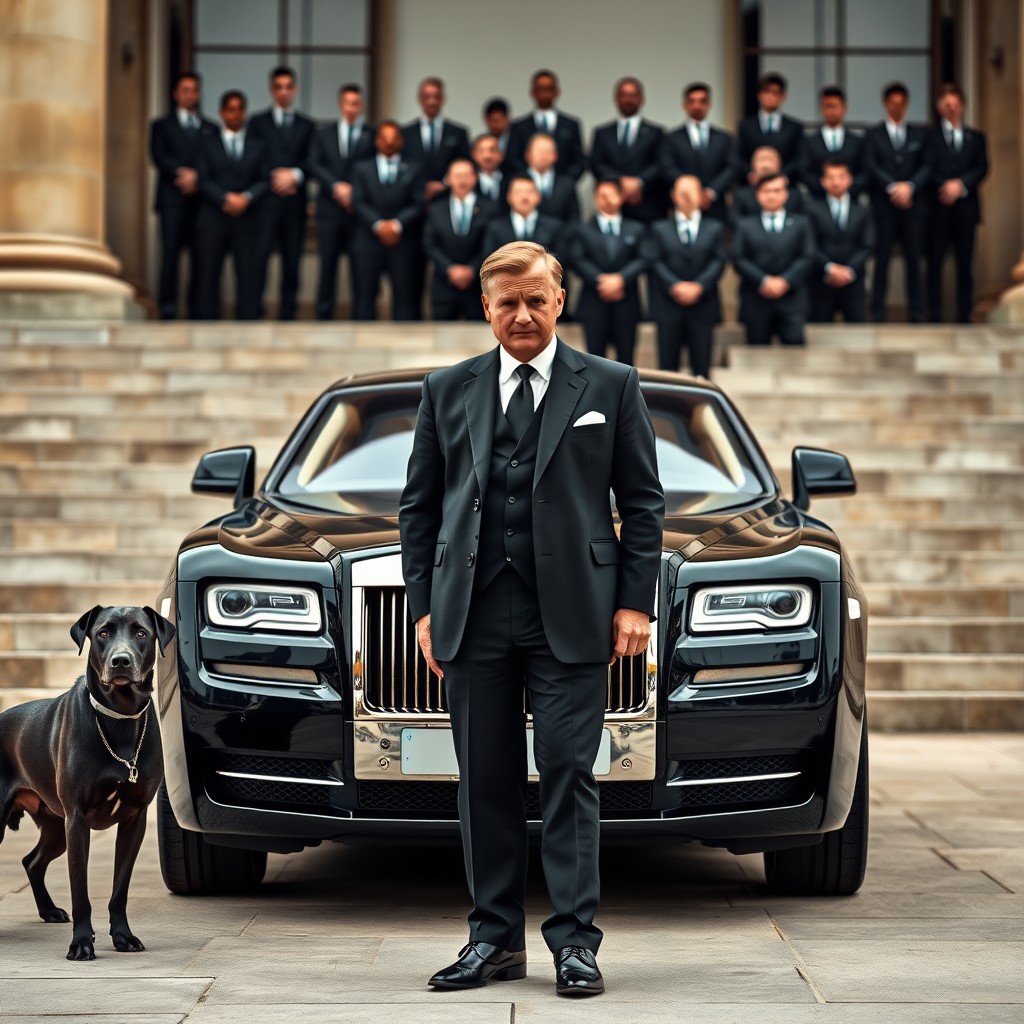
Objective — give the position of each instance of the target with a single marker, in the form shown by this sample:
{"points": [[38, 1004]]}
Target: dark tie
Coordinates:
{"points": [[348, 144], [520, 405], [624, 134], [430, 137]]}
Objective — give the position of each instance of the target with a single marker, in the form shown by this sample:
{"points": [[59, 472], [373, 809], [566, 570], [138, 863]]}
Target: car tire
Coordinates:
{"points": [[836, 865], [193, 867]]}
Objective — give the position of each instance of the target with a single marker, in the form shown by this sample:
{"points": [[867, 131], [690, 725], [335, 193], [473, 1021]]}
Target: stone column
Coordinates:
{"points": [[53, 260]]}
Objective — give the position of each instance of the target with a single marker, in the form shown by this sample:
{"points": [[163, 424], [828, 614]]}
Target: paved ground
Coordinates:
{"points": [[936, 934]]}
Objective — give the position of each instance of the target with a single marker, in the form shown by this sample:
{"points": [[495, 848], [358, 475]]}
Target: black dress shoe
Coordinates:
{"points": [[479, 963], [577, 973]]}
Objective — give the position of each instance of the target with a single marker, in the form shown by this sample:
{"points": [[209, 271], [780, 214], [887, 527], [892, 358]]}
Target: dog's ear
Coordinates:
{"points": [[163, 628], [80, 630]]}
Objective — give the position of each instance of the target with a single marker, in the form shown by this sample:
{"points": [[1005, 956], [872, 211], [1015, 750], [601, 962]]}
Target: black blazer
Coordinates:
{"points": [[454, 143], [703, 261], [745, 204], [713, 165], [788, 253], [328, 166], [589, 255], [373, 201], [850, 247], [547, 232], [289, 148], [584, 572], [171, 147], [639, 160], [446, 248], [885, 165], [970, 165], [568, 138], [562, 204], [815, 153], [220, 174], [500, 199], [788, 140]]}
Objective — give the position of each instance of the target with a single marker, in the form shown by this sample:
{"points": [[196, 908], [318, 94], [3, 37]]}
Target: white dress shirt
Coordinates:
{"points": [[459, 209], [699, 133], [833, 137], [184, 116], [385, 165], [632, 128], [615, 222], [691, 224], [492, 183], [357, 130], [425, 132], [524, 227], [898, 138], [545, 181], [773, 222], [545, 120], [770, 122], [840, 209], [229, 138], [278, 115], [508, 379]]}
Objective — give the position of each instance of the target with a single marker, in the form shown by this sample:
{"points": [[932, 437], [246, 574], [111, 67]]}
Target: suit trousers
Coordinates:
{"points": [[679, 327], [370, 263], [956, 224], [177, 234], [451, 303], [849, 300], [283, 224], [904, 226], [504, 652], [609, 325], [764, 317], [333, 237]]}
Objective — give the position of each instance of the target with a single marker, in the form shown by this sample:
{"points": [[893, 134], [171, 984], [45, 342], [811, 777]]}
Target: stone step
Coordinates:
{"points": [[284, 404], [183, 507], [217, 429], [945, 635], [932, 710], [9, 698], [951, 454], [164, 382], [930, 483], [989, 535], [844, 361], [956, 600], [945, 671], [850, 404], [120, 453], [40, 669], [868, 510], [90, 535], [942, 569], [58, 565], [736, 382], [71, 599]]}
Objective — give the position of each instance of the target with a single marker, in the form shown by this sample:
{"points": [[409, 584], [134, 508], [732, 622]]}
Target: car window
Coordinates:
{"points": [[353, 458]]}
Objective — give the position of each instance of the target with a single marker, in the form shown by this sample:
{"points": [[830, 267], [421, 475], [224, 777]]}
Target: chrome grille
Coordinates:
{"points": [[396, 680]]}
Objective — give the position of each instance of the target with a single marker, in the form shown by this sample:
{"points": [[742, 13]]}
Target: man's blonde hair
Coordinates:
{"points": [[518, 258]]}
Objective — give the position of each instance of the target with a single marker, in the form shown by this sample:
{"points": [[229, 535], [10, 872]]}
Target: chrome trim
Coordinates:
{"points": [[282, 778], [263, 618], [734, 778], [701, 625]]}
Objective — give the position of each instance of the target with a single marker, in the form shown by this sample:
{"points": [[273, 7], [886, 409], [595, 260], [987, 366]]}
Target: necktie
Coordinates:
{"points": [[684, 232], [624, 133], [464, 216], [430, 136], [520, 405], [348, 141], [831, 140], [837, 212], [236, 147], [702, 134], [777, 222], [899, 136], [192, 122], [392, 172]]}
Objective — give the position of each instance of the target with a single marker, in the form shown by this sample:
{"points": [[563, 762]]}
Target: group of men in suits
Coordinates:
{"points": [[395, 198]]}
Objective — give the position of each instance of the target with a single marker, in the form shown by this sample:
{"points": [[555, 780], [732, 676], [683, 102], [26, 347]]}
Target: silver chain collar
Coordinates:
{"points": [[133, 771]]}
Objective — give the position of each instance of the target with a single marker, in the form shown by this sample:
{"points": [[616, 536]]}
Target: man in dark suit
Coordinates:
{"points": [[387, 197], [523, 222], [336, 148], [699, 148], [770, 127], [287, 137], [628, 149], [773, 253], [896, 157], [557, 191], [845, 237], [607, 254], [518, 580], [173, 146], [686, 253], [498, 122], [744, 202], [832, 141], [544, 117], [490, 177], [958, 164], [233, 176], [453, 238], [432, 141]]}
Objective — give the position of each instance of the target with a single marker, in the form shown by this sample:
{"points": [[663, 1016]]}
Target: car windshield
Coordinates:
{"points": [[353, 458]]}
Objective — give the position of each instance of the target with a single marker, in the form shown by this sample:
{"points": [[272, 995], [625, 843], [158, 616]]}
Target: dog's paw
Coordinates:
{"points": [[125, 942], [54, 916], [81, 949]]}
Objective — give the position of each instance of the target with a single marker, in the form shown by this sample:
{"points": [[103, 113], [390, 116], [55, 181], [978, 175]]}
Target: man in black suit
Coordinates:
{"points": [[387, 197], [336, 148], [523, 222], [287, 137], [770, 127], [432, 141], [845, 237], [544, 117], [832, 141], [557, 191], [490, 177], [173, 146], [498, 122], [454, 239], [234, 179], [519, 582], [896, 157], [607, 254], [744, 202], [959, 164], [686, 253], [628, 149], [773, 253], [698, 148]]}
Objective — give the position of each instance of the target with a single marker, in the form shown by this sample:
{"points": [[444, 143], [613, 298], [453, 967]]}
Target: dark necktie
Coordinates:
{"points": [[348, 144], [430, 137], [520, 405]]}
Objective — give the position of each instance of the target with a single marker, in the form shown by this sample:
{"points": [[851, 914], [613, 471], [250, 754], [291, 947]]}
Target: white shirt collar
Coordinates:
{"points": [[840, 130], [603, 220], [542, 178], [386, 162], [457, 204], [693, 221], [184, 115], [778, 218], [892, 126], [633, 121], [227, 133], [948, 126], [542, 117], [541, 362], [279, 113], [524, 224]]}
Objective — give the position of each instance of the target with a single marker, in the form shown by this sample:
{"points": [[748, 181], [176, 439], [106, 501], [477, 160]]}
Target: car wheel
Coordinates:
{"points": [[191, 866], [835, 867]]}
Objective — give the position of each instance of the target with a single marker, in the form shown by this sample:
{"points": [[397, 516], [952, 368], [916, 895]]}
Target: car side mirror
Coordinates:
{"points": [[820, 473], [227, 471]]}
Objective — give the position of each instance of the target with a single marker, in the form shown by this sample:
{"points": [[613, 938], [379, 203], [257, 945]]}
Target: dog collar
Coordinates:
{"points": [[114, 714]]}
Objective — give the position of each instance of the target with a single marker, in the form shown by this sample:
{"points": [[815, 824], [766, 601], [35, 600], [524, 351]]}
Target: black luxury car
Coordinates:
{"points": [[295, 706]]}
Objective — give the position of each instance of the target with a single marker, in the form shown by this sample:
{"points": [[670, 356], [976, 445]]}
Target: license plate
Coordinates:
{"points": [[432, 752]]}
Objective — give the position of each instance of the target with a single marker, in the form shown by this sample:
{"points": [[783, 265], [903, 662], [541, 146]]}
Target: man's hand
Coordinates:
{"points": [[774, 287], [631, 633], [186, 181], [902, 195], [432, 189], [686, 293], [461, 276], [388, 232], [235, 204], [838, 276], [632, 189], [611, 287], [283, 181], [950, 191], [423, 636], [341, 193]]}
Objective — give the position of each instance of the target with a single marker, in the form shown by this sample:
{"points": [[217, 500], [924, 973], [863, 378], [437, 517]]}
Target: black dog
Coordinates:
{"points": [[90, 758]]}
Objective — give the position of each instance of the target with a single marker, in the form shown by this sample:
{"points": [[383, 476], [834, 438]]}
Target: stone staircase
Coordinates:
{"points": [[101, 427]]}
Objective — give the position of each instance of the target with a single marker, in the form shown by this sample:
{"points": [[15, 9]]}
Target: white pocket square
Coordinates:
{"points": [[588, 418]]}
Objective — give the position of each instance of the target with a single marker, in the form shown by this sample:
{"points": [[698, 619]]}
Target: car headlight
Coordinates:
{"points": [[260, 606], [755, 606]]}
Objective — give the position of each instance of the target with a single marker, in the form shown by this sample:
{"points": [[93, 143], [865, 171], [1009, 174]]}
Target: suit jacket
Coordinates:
{"points": [[745, 204], [500, 200], [788, 253], [446, 248], [788, 140], [713, 164], [589, 254], [328, 166], [886, 165], [286, 148], [640, 160], [815, 153], [849, 247], [171, 147], [562, 204], [454, 143], [547, 232], [970, 165], [220, 174], [584, 573], [568, 138], [373, 201], [703, 261]]}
